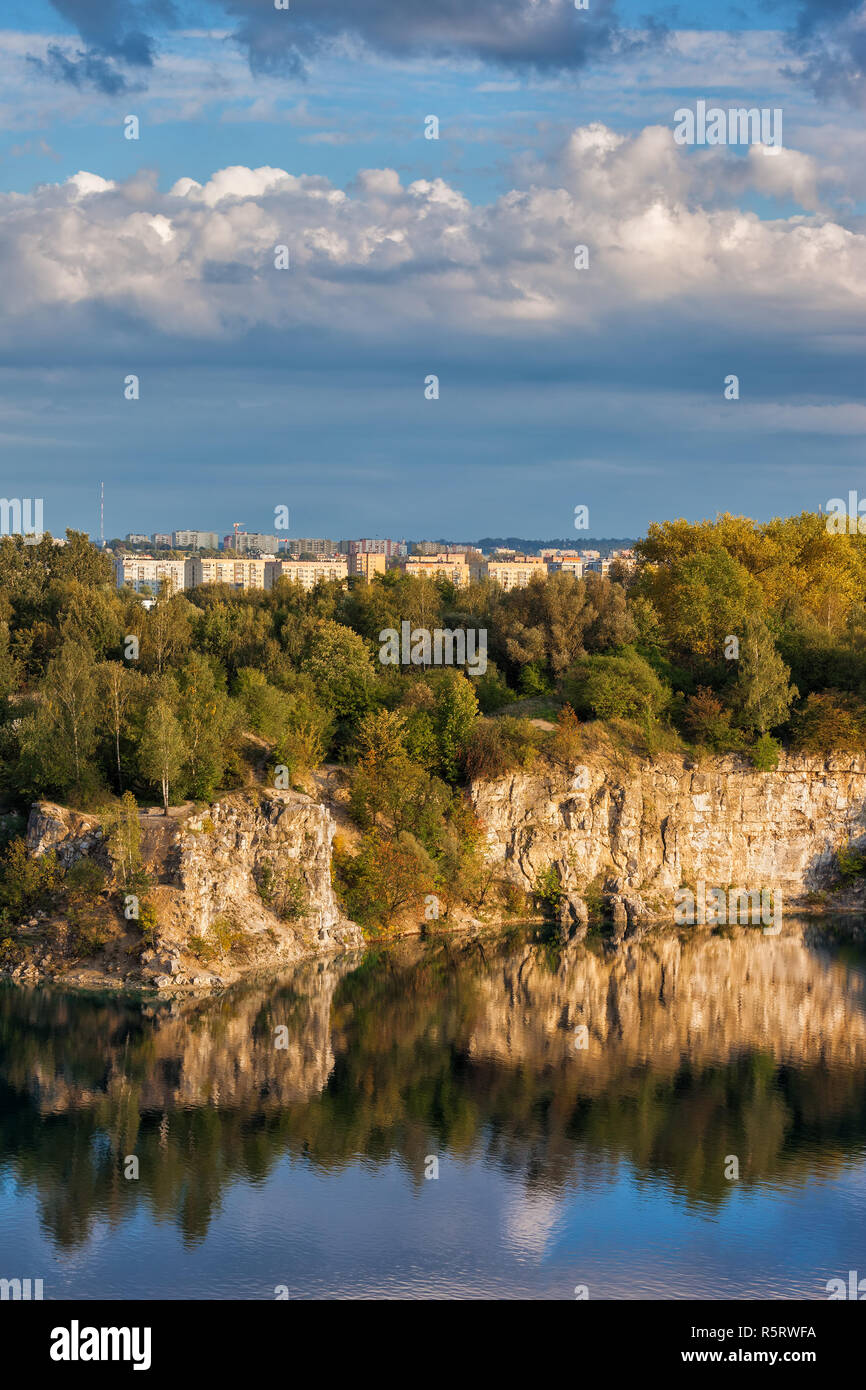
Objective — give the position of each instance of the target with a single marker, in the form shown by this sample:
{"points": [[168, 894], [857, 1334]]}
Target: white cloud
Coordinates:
{"points": [[665, 229]]}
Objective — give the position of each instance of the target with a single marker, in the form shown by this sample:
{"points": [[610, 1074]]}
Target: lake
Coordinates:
{"points": [[502, 1117]]}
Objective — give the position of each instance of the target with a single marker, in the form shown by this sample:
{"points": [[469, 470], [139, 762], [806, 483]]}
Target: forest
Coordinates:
{"points": [[731, 636]]}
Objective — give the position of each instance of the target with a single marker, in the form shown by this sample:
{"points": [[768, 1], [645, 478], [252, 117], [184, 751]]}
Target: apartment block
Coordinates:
{"points": [[246, 541], [366, 563], [514, 573], [238, 574], [563, 560], [453, 567], [195, 540], [132, 538], [319, 546], [390, 549], [307, 573], [143, 573]]}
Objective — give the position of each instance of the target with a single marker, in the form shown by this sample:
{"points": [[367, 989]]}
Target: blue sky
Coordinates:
{"points": [[410, 257]]}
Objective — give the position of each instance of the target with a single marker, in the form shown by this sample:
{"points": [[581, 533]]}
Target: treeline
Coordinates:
{"points": [[731, 636]]}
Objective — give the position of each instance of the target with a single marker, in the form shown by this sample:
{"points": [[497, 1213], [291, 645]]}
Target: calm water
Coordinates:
{"points": [[558, 1165]]}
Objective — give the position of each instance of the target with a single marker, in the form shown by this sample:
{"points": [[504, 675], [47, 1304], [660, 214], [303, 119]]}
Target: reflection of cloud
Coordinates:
{"points": [[528, 1222]]}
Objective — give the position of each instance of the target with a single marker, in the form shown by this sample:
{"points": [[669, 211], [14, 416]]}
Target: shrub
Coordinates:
{"points": [[282, 891], [27, 882], [564, 746], [765, 753], [828, 722], [548, 889], [850, 862], [497, 747], [385, 878], [615, 687]]}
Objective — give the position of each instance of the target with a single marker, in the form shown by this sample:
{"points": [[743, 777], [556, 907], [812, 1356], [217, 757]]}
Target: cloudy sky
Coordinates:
{"points": [[411, 257]]}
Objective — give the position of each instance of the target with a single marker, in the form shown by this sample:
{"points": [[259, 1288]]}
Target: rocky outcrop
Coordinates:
{"points": [[640, 830], [69, 834], [218, 892]]}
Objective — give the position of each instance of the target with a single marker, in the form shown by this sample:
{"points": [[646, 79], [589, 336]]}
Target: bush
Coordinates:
{"points": [[615, 687], [765, 753], [499, 746], [708, 721], [385, 878], [547, 889], [829, 722], [27, 882], [850, 862], [282, 891]]}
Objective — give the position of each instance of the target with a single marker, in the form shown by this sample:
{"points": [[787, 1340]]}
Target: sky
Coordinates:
{"points": [[307, 386]]}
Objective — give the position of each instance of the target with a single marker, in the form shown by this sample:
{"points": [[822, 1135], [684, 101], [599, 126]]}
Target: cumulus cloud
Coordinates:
{"points": [[383, 259]]}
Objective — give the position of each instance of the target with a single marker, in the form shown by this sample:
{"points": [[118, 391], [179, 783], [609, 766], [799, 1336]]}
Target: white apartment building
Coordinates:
{"points": [[195, 540], [238, 574], [515, 573], [307, 573], [142, 573]]}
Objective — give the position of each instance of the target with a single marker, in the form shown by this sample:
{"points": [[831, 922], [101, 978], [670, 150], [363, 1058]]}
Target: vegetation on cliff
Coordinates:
{"points": [[731, 636]]}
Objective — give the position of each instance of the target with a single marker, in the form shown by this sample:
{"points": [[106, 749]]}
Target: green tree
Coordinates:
{"points": [[161, 751], [762, 695], [60, 738]]}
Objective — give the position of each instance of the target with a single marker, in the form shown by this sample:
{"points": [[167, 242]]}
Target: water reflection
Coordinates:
{"points": [[698, 1049]]}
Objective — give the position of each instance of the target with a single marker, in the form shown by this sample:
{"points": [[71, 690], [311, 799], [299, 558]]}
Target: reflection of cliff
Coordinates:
{"points": [[706, 998], [697, 1048]]}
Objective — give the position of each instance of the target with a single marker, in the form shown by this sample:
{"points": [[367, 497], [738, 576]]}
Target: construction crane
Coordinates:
{"points": [[237, 525]]}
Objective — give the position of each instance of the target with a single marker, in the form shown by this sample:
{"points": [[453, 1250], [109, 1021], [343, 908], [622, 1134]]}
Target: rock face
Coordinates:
{"points": [[210, 876], [640, 831], [221, 857], [69, 834]]}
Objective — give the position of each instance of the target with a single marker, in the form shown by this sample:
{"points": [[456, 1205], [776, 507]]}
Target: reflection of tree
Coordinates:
{"points": [[750, 1046]]}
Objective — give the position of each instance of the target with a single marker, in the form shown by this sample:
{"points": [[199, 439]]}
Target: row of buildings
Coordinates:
{"points": [[261, 544], [461, 567]]}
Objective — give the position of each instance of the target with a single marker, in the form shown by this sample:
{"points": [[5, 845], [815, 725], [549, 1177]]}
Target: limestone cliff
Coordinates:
{"points": [[212, 878], [649, 826]]}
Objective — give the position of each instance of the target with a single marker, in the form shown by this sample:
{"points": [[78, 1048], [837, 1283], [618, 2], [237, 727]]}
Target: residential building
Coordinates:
{"points": [[307, 573], [514, 573], [598, 566], [366, 563], [133, 539], [442, 566], [390, 549], [311, 545], [195, 540], [239, 574], [142, 572], [161, 540], [247, 542], [567, 561]]}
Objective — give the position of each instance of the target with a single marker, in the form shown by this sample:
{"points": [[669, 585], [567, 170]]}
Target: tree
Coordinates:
{"points": [[205, 717], [123, 837], [616, 687], [161, 750], [454, 715], [60, 738], [117, 686], [762, 695]]}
